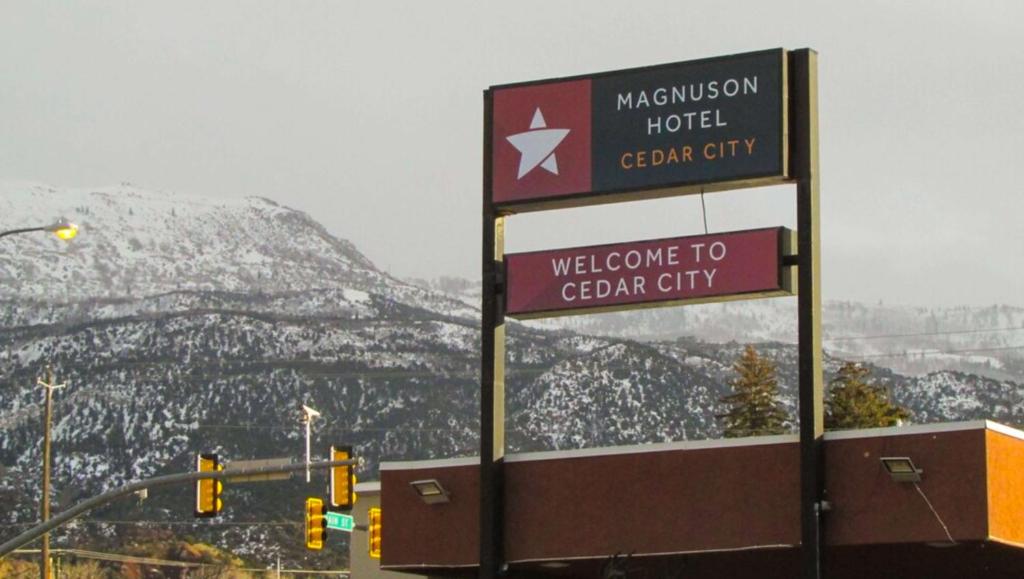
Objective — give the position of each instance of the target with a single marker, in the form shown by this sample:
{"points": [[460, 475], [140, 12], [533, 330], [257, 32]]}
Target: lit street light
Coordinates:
{"points": [[63, 229]]}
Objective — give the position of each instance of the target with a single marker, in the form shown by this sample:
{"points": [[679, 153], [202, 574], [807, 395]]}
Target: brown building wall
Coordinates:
{"points": [[869, 508], [444, 535], [653, 502], [713, 496]]}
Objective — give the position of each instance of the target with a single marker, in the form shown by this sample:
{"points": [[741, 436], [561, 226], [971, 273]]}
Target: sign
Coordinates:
{"points": [[705, 268], [268, 463], [718, 123], [340, 522]]}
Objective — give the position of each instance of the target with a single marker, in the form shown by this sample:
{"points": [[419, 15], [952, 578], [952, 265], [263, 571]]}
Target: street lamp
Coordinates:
{"points": [[63, 229]]}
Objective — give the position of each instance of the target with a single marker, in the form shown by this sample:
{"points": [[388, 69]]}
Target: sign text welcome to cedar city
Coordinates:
{"points": [[718, 122], [656, 272]]}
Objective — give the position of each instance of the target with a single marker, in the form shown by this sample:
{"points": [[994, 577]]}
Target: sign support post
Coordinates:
{"points": [[492, 372], [803, 93]]}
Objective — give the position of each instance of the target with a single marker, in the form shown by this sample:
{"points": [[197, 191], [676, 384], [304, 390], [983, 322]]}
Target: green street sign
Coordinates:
{"points": [[340, 522]]}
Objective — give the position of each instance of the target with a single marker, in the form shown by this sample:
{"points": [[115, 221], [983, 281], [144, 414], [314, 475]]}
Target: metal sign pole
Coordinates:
{"points": [[492, 373], [803, 74]]}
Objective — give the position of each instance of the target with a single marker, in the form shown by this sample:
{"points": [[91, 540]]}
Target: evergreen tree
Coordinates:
{"points": [[855, 401], [753, 407]]}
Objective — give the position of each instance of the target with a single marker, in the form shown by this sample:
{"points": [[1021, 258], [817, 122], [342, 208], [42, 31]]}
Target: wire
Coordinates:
{"points": [[931, 352], [228, 426], [173, 523], [118, 558], [920, 334], [934, 512], [196, 523], [704, 210]]}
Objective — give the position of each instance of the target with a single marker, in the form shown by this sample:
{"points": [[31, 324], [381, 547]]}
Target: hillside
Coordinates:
{"points": [[988, 341]]}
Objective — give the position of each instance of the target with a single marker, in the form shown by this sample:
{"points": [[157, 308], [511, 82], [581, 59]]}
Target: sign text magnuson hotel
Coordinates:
{"points": [[686, 124]]}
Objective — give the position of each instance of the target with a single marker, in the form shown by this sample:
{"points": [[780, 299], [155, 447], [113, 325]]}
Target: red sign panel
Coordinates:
{"points": [[542, 140], [647, 273]]}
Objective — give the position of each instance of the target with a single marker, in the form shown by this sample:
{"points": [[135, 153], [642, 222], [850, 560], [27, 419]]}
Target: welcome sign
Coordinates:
{"points": [[718, 123], [742, 264]]}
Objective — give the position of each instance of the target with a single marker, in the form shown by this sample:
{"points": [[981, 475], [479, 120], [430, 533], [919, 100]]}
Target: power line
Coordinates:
{"points": [[195, 523], [910, 353], [921, 334], [119, 558], [174, 523], [225, 426]]}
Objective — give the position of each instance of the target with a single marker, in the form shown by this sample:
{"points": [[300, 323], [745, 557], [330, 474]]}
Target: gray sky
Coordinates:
{"points": [[367, 115]]}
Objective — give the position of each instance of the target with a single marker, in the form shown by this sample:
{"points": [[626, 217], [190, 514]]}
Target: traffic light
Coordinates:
{"points": [[316, 523], [373, 531], [343, 480], [208, 502]]}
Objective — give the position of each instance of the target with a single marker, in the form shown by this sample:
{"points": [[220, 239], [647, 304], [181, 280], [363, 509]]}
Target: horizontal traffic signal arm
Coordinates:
{"points": [[159, 481]]}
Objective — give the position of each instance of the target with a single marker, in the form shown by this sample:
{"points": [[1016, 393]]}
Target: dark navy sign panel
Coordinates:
{"points": [[688, 124], [621, 135]]}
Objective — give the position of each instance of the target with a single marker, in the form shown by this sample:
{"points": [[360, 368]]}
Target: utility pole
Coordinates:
{"points": [[45, 501]]}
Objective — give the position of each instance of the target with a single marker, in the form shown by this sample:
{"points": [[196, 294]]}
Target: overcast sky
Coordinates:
{"points": [[367, 115]]}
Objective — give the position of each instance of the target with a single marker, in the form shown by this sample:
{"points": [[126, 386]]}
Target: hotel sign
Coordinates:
{"points": [[704, 268], [715, 124]]}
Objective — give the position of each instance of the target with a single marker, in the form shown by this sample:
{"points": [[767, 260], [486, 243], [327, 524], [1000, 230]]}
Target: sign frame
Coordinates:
{"points": [[801, 169]]}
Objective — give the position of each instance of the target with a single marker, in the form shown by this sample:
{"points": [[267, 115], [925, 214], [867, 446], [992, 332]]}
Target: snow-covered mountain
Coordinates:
{"points": [[135, 242], [988, 341], [207, 331]]}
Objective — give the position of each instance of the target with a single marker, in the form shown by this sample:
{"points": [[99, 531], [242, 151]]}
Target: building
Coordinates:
{"points": [[726, 508]]}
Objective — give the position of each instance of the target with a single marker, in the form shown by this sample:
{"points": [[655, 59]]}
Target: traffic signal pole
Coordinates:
{"points": [[165, 480]]}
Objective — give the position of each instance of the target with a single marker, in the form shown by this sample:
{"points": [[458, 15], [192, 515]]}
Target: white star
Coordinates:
{"points": [[537, 146]]}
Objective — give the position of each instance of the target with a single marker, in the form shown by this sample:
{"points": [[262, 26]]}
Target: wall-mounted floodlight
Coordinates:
{"points": [[431, 491], [901, 468]]}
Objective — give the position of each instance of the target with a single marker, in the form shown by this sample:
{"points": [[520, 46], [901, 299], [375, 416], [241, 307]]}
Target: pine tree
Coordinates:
{"points": [[855, 401], [754, 407]]}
